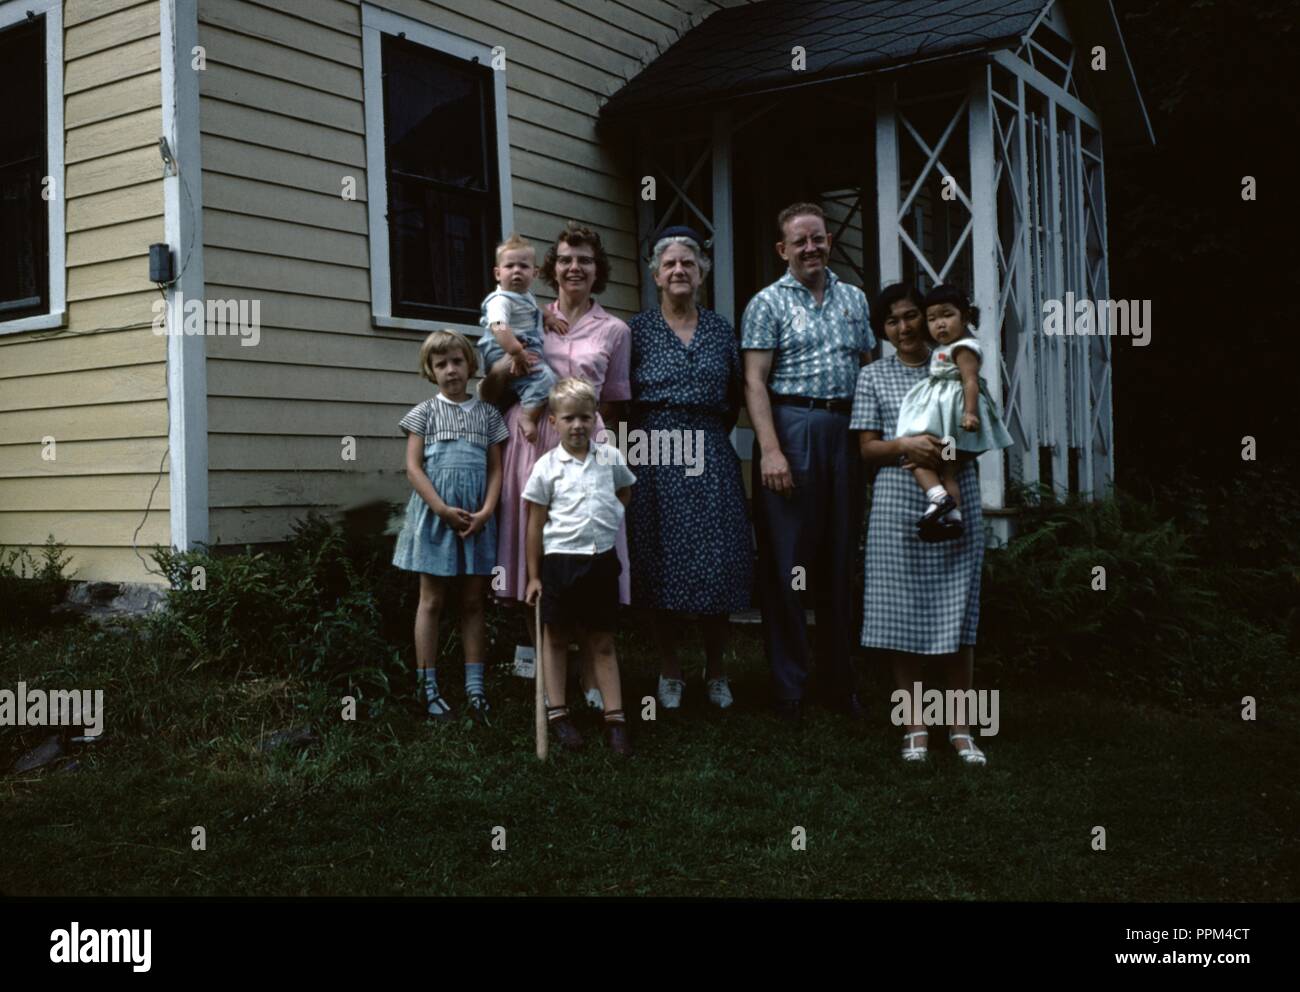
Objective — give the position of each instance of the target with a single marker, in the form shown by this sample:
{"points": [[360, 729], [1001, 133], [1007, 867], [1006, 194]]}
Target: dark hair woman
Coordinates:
{"points": [[921, 599]]}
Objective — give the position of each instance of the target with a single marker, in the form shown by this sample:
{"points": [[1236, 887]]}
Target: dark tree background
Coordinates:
{"points": [[1220, 82]]}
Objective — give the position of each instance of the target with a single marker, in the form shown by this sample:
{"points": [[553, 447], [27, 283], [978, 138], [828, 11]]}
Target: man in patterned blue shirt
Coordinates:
{"points": [[803, 339]]}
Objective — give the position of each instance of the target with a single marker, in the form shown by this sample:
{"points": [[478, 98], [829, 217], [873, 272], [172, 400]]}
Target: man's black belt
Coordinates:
{"points": [[809, 403]]}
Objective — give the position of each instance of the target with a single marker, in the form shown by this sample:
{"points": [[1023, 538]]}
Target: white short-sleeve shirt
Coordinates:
{"points": [[583, 513]]}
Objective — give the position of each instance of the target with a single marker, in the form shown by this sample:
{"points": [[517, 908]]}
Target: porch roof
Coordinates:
{"points": [[747, 49]]}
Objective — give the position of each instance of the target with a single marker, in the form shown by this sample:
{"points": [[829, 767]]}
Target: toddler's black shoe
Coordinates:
{"points": [[439, 709], [940, 530], [479, 709]]}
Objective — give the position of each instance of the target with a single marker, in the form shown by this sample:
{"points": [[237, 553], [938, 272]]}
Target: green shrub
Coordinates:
{"points": [[1169, 618], [32, 585], [307, 609]]}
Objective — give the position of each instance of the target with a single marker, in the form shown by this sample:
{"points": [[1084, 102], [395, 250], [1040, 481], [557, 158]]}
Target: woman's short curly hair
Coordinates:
{"points": [[576, 235]]}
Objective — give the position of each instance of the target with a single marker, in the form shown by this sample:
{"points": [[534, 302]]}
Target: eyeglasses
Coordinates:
{"points": [[566, 260]]}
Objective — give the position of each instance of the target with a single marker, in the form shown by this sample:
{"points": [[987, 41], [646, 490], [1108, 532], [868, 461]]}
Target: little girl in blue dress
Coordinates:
{"points": [[954, 402], [453, 460]]}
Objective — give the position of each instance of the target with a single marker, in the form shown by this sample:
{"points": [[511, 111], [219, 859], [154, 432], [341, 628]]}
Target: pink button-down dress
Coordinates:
{"points": [[598, 348]]}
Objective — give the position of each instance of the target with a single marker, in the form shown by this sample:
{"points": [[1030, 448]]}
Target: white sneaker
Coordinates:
{"points": [[670, 693], [720, 692]]}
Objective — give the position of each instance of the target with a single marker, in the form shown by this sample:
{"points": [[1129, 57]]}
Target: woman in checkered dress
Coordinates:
{"points": [[921, 600]]}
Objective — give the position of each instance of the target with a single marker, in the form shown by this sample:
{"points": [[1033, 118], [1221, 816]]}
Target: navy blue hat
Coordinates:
{"points": [[682, 231]]}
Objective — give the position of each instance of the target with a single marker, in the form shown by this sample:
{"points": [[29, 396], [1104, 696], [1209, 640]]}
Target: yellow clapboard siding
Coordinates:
{"points": [[238, 86], [279, 61], [326, 418], [644, 31], [318, 314], [115, 206], [233, 16], [80, 352], [66, 494], [286, 453], [250, 196], [527, 39], [105, 244], [129, 310], [581, 152], [113, 100], [105, 528], [339, 350], [120, 62], [341, 15], [258, 127], [70, 389], [84, 423], [86, 282], [559, 174], [230, 490], [275, 237], [115, 457], [608, 32], [250, 271], [77, 12], [127, 168], [94, 564], [525, 106], [138, 130], [236, 158], [117, 30], [268, 380]]}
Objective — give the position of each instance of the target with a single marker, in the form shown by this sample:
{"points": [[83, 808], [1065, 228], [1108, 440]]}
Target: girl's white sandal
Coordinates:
{"points": [[971, 755], [912, 752]]}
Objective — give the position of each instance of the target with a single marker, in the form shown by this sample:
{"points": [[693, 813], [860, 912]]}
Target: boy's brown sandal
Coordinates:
{"points": [[617, 738]]}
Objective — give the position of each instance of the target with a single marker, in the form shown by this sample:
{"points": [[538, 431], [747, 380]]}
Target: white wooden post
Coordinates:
{"points": [[1032, 322], [887, 190], [987, 289], [1060, 439], [724, 268], [1085, 353]]}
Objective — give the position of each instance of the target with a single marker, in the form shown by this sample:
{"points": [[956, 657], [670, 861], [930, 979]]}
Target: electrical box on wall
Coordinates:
{"points": [[160, 263]]}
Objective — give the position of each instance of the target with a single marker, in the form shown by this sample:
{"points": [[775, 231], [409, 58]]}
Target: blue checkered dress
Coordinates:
{"points": [[920, 598]]}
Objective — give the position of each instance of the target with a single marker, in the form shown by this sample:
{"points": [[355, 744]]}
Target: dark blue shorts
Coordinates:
{"points": [[581, 590]]}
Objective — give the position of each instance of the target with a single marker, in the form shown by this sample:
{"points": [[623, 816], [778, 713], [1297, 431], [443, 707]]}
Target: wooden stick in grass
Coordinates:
{"points": [[539, 691]]}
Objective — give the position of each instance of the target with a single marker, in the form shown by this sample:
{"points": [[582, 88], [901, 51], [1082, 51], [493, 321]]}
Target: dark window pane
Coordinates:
{"points": [[435, 115], [440, 251], [24, 276]]}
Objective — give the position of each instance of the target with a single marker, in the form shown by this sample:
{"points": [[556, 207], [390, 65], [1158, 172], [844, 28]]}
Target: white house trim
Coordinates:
{"points": [[13, 12], [375, 22], [187, 386]]}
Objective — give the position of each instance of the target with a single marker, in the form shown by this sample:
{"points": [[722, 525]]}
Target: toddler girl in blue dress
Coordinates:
{"points": [[952, 403], [453, 460]]}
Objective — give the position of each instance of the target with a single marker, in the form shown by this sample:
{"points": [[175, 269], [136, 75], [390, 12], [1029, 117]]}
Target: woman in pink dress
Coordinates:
{"points": [[596, 347]]}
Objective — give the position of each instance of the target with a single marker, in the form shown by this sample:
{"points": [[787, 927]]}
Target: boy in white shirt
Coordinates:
{"points": [[577, 494], [514, 325]]}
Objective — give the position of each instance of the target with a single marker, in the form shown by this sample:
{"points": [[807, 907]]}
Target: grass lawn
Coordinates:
{"points": [[1196, 804]]}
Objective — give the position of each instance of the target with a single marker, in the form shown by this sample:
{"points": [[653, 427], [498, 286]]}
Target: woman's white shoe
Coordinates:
{"points": [[916, 752], [971, 754], [670, 693]]}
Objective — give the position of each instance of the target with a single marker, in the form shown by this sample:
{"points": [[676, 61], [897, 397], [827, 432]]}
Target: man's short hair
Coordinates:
{"points": [[798, 210], [572, 391]]}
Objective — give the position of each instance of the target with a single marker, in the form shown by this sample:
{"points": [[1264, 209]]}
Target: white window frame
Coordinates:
{"points": [[13, 12], [375, 21]]}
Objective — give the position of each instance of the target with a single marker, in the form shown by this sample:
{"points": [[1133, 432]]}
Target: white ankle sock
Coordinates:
{"points": [[935, 494]]}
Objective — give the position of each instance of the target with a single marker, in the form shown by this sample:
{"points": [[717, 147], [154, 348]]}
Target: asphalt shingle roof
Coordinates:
{"points": [[748, 48]]}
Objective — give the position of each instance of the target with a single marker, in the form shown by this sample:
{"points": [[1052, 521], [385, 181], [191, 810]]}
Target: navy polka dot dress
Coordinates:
{"points": [[689, 535]]}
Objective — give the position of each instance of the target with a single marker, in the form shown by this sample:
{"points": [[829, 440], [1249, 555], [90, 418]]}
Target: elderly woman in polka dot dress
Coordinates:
{"points": [[689, 534]]}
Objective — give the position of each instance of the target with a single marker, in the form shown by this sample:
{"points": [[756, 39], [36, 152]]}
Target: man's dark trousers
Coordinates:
{"points": [[814, 529]]}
